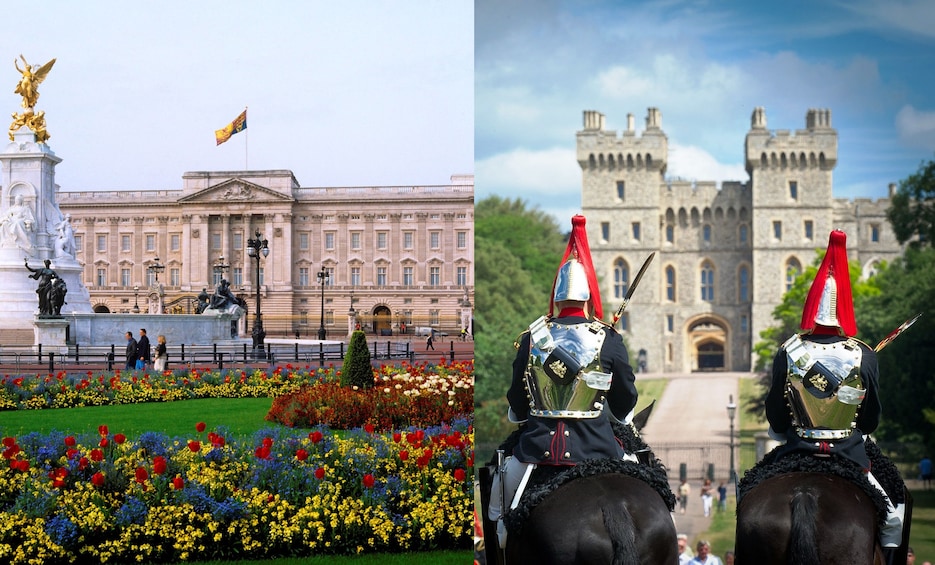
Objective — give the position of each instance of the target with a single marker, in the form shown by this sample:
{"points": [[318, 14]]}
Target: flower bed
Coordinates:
{"points": [[407, 396], [106, 498]]}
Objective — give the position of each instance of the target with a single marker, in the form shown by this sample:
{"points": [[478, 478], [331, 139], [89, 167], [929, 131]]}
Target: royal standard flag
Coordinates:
{"points": [[237, 126]]}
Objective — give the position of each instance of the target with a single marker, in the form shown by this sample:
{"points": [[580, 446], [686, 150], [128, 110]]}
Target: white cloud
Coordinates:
{"points": [[522, 172], [916, 127], [693, 163]]}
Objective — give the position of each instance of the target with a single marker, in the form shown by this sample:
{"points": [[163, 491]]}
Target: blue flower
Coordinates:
{"points": [[62, 530]]}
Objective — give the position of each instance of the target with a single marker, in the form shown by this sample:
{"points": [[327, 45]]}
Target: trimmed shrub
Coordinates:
{"points": [[357, 370]]}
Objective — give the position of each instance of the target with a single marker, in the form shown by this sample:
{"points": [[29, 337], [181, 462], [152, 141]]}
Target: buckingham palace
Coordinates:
{"points": [[381, 257]]}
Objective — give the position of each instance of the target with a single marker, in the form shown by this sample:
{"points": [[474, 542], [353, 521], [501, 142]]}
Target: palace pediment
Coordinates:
{"points": [[236, 191]]}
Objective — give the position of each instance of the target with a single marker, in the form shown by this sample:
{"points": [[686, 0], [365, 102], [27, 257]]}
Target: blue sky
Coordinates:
{"points": [[706, 65], [358, 92]]}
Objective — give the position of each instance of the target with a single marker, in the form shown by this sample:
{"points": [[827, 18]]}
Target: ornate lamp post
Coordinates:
{"points": [[257, 247], [731, 410], [323, 276], [156, 268], [220, 267], [136, 296]]}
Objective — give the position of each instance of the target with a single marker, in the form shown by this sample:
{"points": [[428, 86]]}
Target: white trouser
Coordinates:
{"points": [[515, 470], [891, 534]]}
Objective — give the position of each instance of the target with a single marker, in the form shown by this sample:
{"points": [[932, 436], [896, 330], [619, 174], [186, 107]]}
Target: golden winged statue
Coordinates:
{"points": [[28, 85]]}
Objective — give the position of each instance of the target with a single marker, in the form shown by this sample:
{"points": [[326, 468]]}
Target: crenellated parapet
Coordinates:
{"points": [[812, 148], [601, 149]]}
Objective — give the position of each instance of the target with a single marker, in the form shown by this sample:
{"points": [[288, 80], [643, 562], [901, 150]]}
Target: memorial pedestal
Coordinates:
{"points": [[51, 333]]}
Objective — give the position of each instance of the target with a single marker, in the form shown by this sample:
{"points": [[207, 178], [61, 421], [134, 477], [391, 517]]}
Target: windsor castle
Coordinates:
{"points": [[724, 255]]}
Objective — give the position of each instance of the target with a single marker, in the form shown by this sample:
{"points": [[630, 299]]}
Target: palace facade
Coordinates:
{"points": [[725, 254], [378, 256]]}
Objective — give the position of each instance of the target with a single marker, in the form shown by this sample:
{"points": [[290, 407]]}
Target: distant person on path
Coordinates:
{"points": [[722, 497], [703, 555], [685, 491], [824, 393], [925, 472], [142, 350], [559, 351], [729, 558], [707, 496], [429, 341], [131, 352], [162, 356]]}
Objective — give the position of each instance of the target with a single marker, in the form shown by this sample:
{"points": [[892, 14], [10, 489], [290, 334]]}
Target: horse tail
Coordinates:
{"points": [[803, 543], [622, 533]]}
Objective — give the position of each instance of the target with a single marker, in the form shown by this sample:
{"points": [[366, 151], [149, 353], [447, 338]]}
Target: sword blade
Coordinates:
{"points": [[895, 333]]}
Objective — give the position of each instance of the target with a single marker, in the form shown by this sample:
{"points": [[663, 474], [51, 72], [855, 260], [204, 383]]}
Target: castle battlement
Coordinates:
{"points": [[599, 148]]}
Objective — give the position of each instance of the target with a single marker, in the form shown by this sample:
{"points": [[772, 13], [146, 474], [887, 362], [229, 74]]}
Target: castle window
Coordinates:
{"points": [[706, 233], [636, 231], [777, 230], [793, 190], [670, 323], [670, 234], [793, 269], [707, 281], [743, 284], [742, 233], [809, 229], [744, 324], [670, 284], [623, 324], [875, 233], [605, 232], [621, 278], [621, 189]]}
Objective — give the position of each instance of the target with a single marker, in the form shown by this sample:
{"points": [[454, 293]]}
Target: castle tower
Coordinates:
{"points": [[793, 205]]}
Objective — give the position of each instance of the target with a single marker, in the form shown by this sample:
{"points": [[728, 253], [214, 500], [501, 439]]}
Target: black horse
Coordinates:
{"points": [[807, 518], [613, 512], [801, 508]]}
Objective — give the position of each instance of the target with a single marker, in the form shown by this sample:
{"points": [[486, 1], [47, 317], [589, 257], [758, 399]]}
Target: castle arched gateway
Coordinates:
{"points": [[708, 343]]}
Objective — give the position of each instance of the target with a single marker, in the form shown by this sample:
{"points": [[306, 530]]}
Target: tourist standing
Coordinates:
{"points": [[142, 350], [162, 356], [131, 351]]}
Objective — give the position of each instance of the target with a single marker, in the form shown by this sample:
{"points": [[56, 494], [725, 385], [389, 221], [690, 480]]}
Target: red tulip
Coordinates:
{"points": [[368, 428], [194, 446], [9, 441], [141, 475], [70, 441], [301, 454], [119, 438], [159, 465], [460, 475], [200, 427], [319, 473], [397, 437], [178, 483], [83, 463], [102, 430], [267, 442], [103, 442], [368, 480], [262, 452], [315, 436], [403, 455], [97, 455], [97, 479]]}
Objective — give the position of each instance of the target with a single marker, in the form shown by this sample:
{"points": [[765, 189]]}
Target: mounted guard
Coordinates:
{"points": [[824, 394], [571, 379]]}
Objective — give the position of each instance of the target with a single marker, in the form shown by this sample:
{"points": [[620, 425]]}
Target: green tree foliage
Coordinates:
{"points": [[356, 370], [516, 254], [907, 375], [912, 208]]}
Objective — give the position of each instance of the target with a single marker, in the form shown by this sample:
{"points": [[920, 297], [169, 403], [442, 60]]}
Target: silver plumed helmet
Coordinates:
{"points": [[571, 283]]}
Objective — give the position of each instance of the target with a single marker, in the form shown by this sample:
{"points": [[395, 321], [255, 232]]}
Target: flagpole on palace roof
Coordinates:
{"points": [[246, 144]]}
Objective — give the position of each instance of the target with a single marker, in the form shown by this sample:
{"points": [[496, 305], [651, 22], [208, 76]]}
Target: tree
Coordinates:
{"points": [[516, 254], [912, 208], [357, 370]]}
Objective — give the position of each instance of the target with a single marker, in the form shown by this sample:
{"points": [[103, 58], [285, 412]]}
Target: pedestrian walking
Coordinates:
{"points": [[429, 341], [142, 350], [162, 357], [131, 351], [707, 496], [722, 497], [685, 491]]}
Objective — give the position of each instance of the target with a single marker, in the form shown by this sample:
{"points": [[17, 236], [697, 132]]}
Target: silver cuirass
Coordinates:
{"points": [[823, 387], [563, 376]]}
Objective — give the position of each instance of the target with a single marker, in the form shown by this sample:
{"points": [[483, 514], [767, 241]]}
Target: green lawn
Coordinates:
{"points": [[242, 416], [425, 558]]}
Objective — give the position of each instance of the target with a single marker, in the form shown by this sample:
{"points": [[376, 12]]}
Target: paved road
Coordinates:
{"points": [[693, 408]]}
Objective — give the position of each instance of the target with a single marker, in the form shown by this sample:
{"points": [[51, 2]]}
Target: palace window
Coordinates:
{"points": [[381, 240], [303, 241], [355, 276], [381, 276], [125, 243], [175, 242], [355, 240], [237, 276], [303, 276], [102, 277], [407, 276], [435, 276], [329, 240], [150, 242], [407, 239], [435, 239], [461, 276], [102, 243], [462, 239], [125, 277], [174, 278]]}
